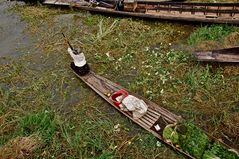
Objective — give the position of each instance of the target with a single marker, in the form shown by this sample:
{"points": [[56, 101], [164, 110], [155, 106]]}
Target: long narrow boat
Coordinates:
{"points": [[220, 55], [155, 115], [167, 10]]}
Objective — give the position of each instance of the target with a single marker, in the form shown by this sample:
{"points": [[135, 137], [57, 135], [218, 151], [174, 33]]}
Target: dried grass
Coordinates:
{"points": [[20, 147]]}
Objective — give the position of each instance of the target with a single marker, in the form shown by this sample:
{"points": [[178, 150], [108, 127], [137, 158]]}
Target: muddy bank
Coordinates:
{"points": [[12, 33]]}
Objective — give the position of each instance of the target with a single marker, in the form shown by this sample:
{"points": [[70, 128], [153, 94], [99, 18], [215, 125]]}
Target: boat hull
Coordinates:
{"points": [[155, 114], [221, 55], [177, 11]]}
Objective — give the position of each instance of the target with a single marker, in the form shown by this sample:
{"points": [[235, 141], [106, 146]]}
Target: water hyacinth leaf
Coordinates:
{"points": [[218, 151], [194, 141]]}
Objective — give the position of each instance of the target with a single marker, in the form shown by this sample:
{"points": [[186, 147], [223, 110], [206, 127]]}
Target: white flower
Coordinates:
{"points": [[164, 80], [148, 92], [158, 143], [108, 54], [117, 128]]}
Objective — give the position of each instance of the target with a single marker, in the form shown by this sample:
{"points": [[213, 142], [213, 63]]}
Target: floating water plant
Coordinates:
{"points": [[216, 150], [196, 142]]}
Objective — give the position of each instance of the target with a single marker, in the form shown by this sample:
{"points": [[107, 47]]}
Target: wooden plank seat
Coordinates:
{"points": [[149, 119]]}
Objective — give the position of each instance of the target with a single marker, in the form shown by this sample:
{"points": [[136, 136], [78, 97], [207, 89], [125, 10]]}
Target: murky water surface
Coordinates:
{"points": [[12, 36]]}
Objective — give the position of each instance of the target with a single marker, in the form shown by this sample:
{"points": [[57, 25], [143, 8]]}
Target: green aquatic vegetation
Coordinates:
{"points": [[105, 155], [218, 151], [150, 146], [85, 141], [119, 55], [196, 142], [193, 140], [158, 69], [212, 32], [42, 122]]}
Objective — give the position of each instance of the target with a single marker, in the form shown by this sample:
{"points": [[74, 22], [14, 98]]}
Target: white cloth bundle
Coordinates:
{"points": [[137, 106]]}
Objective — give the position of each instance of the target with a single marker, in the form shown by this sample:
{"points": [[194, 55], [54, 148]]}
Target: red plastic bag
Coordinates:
{"points": [[120, 92]]}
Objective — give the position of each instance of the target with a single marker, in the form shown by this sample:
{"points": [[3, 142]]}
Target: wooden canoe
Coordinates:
{"points": [[155, 9], [155, 115], [221, 55]]}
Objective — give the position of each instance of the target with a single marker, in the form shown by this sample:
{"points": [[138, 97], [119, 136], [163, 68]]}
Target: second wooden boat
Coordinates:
{"points": [[220, 55], [168, 10]]}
